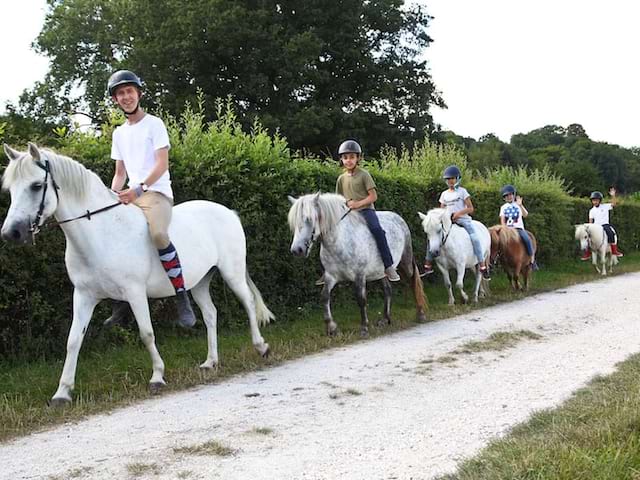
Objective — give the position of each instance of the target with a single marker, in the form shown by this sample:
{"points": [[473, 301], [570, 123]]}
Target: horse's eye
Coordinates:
{"points": [[35, 187]]}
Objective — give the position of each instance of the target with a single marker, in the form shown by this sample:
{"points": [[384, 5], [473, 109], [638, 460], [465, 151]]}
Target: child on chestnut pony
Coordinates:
{"points": [[599, 214], [457, 201], [358, 187], [512, 214]]}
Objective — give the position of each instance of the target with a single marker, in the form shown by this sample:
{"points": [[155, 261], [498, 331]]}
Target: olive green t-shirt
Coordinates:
{"points": [[356, 186]]}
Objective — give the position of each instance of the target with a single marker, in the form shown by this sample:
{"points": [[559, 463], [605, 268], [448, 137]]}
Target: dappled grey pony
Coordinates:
{"points": [[110, 254], [348, 251]]}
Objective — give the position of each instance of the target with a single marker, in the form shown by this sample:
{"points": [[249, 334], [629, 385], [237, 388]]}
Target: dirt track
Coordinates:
{"points": [[381, 409]]}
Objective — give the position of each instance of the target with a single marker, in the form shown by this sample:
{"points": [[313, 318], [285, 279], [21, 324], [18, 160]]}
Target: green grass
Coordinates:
{"points": [[595, 435], [119, 376], [212, 447], [497, 341]]}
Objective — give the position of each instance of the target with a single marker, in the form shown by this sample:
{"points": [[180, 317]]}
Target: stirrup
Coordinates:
{"points": [[428, 270]]}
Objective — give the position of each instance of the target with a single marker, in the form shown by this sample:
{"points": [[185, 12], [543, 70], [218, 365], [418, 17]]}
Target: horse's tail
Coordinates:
{"points": [[418, 289], [263, 314]]}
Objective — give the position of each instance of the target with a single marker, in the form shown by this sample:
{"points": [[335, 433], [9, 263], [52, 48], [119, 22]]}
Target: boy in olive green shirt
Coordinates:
{"points": [[358, 187]]}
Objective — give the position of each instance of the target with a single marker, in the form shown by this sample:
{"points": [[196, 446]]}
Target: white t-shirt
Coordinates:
{"points": [[512, 215], [136, 145], [454, 201], [600, 215]]}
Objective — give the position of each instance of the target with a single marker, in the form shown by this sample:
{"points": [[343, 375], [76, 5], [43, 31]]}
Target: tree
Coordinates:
{"points": [[318, 70]]}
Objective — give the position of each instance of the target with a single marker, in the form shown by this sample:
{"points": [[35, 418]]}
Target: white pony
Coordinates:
{"points": [[593, 236], [451, 248], [112, 256]]}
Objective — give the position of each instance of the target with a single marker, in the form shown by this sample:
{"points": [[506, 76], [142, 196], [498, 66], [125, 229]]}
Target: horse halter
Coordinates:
{"points": [[34, 227]]}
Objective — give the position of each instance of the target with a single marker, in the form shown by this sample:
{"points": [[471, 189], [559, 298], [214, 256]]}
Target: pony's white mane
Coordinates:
{"points": [[589, 229], [323, 210], [434, 217], [72, 177]]}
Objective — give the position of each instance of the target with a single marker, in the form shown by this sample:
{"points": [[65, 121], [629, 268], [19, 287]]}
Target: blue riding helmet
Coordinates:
{"points": [[453, 172], [597, 195], [507, 189]]}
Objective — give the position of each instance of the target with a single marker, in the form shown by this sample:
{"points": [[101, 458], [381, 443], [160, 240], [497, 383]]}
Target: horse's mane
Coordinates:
{"points": [[507, 235], [71, 176], [435, 216], [325, 210]]}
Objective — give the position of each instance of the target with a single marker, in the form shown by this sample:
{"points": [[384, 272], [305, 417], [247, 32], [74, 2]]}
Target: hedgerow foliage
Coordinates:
{"points": [[252, 173]]}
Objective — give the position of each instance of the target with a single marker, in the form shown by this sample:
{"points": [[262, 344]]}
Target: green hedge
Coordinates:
{"points": [[253, 174]]}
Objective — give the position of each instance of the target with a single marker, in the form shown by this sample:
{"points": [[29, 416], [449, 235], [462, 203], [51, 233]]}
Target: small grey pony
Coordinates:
{"points": [[348, 251]]}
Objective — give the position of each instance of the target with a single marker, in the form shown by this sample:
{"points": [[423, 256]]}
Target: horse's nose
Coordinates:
{"points": [[16, 233], [435, 253], [297, 250]]}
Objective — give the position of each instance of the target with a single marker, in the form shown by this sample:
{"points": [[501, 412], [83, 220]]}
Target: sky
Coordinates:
{"points": [[503, 66]]}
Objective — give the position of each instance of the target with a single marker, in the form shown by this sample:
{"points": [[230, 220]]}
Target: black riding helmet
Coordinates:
{"points": [[349, 146], [122, 77], [597, 195]]}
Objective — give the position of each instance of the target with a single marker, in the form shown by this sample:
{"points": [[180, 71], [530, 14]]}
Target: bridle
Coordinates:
{"points": [[315, 235], [34, 227], [444, 237]]}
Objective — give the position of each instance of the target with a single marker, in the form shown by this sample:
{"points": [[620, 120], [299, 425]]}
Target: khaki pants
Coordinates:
{"points": [[157, 209]]}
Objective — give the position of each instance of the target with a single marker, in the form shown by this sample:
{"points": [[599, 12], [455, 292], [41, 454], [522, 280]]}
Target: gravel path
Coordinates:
{"points": [[382, 409]]}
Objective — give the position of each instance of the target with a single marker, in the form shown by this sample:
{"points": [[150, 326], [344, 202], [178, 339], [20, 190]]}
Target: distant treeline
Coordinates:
{"points": [[584, 164]]}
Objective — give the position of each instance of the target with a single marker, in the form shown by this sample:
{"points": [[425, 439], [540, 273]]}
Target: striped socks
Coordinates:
{"points": [[171, 263]]}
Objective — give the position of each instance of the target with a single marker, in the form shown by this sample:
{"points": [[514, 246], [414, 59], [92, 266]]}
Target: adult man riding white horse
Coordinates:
{"points": [[140, 148]]}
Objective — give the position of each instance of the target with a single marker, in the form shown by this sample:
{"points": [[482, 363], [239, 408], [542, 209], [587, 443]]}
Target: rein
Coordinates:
{"points": [[444, 237], [35, 226]]}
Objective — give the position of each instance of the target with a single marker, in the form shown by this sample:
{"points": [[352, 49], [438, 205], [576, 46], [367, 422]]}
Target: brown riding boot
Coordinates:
{"points": [[120, 314]]}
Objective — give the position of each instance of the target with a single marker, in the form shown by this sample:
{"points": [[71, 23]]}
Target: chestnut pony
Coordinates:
{"points": [[508, 248]]}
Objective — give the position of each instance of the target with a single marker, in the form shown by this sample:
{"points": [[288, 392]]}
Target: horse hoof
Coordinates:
{"points": [[383, 322], [59, 402], [209, 366], [364, 333], [266, 352], [156, 387], [421, 317], [332, 333]]}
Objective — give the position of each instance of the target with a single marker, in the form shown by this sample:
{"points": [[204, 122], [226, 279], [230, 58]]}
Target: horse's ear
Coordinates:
{"points": [[11, 153], [422, 216], [34, 152], [316, 197], [292, 200]]}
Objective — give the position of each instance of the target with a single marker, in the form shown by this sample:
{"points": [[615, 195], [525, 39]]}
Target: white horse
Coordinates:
{"points": [[593, 236], [349, 253], [110, 255], [451, 248]]}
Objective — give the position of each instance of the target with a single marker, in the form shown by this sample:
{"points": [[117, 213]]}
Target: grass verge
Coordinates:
{"points": [[119, 376], [595, 435]]}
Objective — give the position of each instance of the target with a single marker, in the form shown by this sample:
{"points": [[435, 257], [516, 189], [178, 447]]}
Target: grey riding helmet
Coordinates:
{"points": [[349, 146], [597, 195], [122, 77]]}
